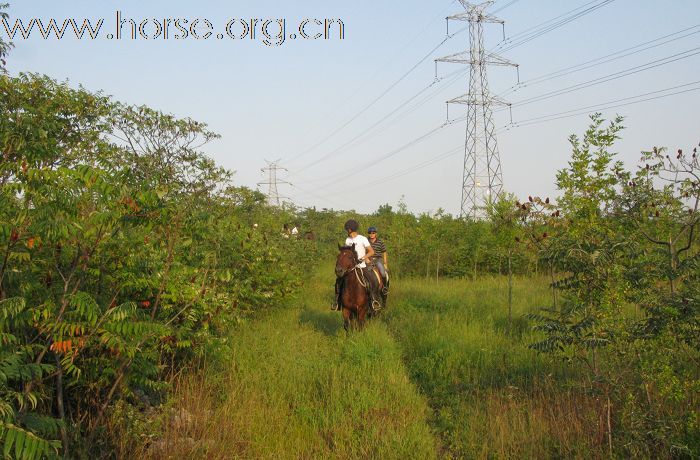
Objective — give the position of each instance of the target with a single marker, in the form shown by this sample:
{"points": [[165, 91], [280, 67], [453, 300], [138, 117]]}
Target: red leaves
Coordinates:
{"points": [[65, 346], [130, 204], [145, 303], [14, 236]]}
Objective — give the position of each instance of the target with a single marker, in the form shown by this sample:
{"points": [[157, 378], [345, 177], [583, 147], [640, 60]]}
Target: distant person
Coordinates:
{"points": [[295, 231], [380, 256], [364, 252], [285, 231]]}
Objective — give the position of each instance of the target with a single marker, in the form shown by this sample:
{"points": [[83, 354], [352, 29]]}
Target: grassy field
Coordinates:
{"points": [[491, 397], [441, 375]]}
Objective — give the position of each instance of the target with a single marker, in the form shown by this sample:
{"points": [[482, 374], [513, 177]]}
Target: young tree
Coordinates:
{"points": [[590, 250], [507, 232]]}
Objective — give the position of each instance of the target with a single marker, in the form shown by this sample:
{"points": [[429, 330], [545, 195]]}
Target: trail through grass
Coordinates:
{"points": [[443, 374], [298, 387]]}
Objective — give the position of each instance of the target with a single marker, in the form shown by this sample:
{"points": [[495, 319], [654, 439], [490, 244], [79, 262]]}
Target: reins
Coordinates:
{"points": [[356, 269], [364, 285]]}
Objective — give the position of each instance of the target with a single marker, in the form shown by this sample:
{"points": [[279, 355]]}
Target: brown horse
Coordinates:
{"points": [[354, 297]]}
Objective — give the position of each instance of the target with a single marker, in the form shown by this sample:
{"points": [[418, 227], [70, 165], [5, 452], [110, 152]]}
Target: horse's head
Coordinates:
{"points": [[346, 261]]}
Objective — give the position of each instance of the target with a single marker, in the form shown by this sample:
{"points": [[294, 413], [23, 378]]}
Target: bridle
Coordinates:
{"points": [[355, 268]]}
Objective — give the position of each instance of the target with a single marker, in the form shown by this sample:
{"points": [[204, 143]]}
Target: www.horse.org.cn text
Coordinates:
{"points": [[271, 32]]}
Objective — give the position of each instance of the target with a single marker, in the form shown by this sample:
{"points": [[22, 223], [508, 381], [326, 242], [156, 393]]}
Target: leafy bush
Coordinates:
{"points": [[124, 252]]}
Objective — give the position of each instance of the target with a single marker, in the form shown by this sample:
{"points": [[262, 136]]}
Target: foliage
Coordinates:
{"points": [[5, 47], [124, 253], [588, 248], [625, 248]]}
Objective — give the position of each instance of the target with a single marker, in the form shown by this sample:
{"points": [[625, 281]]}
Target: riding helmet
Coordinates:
{"points": [[372, 229], [351, 225]]}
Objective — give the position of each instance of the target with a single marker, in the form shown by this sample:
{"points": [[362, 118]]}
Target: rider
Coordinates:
{"points": [[364, 252], [380, 256]]}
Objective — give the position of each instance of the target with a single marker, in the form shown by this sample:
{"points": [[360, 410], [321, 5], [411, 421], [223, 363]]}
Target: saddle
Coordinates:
{"points": [[372, 271]]}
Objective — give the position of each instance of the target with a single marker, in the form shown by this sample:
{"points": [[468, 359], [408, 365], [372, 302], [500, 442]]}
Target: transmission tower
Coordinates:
{"points": [[482, 179], [273, 196]]}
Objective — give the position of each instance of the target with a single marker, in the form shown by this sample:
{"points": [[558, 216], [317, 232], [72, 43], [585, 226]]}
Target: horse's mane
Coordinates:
{"points": [[349, 248]]}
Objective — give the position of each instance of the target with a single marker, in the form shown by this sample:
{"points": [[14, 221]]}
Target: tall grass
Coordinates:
{"points": [[442, 374], [298, 387], [491, 396]]}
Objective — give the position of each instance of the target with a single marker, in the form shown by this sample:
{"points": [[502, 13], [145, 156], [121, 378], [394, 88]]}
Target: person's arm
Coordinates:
{"points": [[370, 253]]}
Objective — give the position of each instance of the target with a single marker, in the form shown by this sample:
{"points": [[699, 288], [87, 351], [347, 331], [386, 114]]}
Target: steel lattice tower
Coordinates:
{"points": [[273, 196], [482, 179]]}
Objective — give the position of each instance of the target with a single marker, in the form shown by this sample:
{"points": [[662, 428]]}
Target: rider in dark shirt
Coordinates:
{"points": [[380, 254]]}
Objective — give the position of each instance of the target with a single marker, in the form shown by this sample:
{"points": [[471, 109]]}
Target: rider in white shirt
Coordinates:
{"points": [[362, 247]]}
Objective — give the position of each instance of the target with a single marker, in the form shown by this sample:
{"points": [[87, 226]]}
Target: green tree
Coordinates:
{"points": [[5, 47], [124, 254], [590, 250], [507, 233]]}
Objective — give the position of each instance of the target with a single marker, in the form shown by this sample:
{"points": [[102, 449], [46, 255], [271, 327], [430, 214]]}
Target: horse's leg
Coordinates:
{"points": [[354, 320], [346, 319], [361, 317]]}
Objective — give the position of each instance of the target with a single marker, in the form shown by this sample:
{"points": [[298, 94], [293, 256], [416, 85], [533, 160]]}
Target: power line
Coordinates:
{"points": [[545, 27], [375, 100], [398, 174], [348, 174], [610, 77], [609, 105], [322, 198], [498, 10], [364, 83], [604, 59], [374, 128]]}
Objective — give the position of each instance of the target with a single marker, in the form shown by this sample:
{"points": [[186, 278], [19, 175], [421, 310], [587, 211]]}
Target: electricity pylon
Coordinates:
{"points": [[273, 196], [482, 178]]}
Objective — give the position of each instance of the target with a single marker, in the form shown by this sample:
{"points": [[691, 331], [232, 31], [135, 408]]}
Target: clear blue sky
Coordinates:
{"points": [[277, 102]]}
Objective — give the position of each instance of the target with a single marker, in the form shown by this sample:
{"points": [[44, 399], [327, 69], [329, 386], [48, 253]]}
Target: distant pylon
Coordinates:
{"points": [[482, 178], [273, 196]]}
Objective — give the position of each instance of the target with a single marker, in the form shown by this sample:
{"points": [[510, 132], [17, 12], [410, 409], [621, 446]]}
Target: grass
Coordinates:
{"points": [[442, 375], [298, 387], [491, 396]]}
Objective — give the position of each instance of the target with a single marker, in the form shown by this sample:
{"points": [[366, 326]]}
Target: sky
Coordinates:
{"points": [[360, 121]]}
